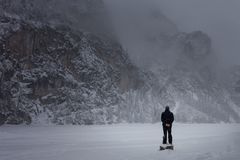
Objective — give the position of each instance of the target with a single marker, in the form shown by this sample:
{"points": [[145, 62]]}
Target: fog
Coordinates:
{"points": [[218, 18], [134, 23], [139, 24]]}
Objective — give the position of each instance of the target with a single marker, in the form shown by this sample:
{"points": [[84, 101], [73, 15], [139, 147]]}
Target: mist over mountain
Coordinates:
{"points": [[217, 18], [98, 62], [186, 64]]}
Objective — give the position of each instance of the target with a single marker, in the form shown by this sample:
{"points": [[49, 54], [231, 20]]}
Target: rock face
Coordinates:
{"points": [[66, 77]]}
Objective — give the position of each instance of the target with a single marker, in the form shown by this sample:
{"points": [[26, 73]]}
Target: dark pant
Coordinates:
{"points": [[167, 131]]}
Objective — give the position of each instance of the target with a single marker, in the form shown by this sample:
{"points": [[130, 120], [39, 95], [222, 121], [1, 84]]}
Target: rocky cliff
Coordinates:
{"points": [[65, 76]]}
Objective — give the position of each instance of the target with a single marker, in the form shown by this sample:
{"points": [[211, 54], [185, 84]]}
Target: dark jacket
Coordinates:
{"points": [[167, 117]]}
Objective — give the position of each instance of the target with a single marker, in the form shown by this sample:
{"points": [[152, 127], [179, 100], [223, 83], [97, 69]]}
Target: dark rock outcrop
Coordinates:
{"points": [[72, 77]]}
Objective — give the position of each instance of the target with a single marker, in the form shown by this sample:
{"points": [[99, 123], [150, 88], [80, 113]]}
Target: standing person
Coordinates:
{"points": [[167, 119]]}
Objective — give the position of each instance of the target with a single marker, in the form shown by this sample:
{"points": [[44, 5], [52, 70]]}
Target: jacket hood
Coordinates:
{"points": [[167, 109]]}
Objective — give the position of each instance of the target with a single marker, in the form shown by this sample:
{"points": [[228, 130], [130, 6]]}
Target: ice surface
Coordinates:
{"points": [[119, 142]]}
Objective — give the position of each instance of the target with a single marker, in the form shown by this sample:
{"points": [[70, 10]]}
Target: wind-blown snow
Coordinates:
{"points": [[119, 142]]}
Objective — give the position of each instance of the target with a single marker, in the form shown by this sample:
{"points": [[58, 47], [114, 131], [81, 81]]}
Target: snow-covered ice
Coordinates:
{"points": [[119, 142]]}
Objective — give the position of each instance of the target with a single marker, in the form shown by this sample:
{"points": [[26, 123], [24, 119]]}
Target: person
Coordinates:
{"points": [[167, 119]]}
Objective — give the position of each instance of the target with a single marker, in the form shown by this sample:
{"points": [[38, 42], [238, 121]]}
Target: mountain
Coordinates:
{"points": [[184, 63], [55, 73], [232, 82], [66, 63]]}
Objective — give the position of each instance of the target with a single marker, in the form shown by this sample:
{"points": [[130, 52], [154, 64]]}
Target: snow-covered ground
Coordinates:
{"points": [[119, 142]]}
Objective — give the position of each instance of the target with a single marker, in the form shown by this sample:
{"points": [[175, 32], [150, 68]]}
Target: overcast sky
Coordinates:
{"points": [[219, 18]]}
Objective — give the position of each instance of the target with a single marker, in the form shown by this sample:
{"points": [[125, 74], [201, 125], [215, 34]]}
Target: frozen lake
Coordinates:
{"points": [[119, 142]]}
